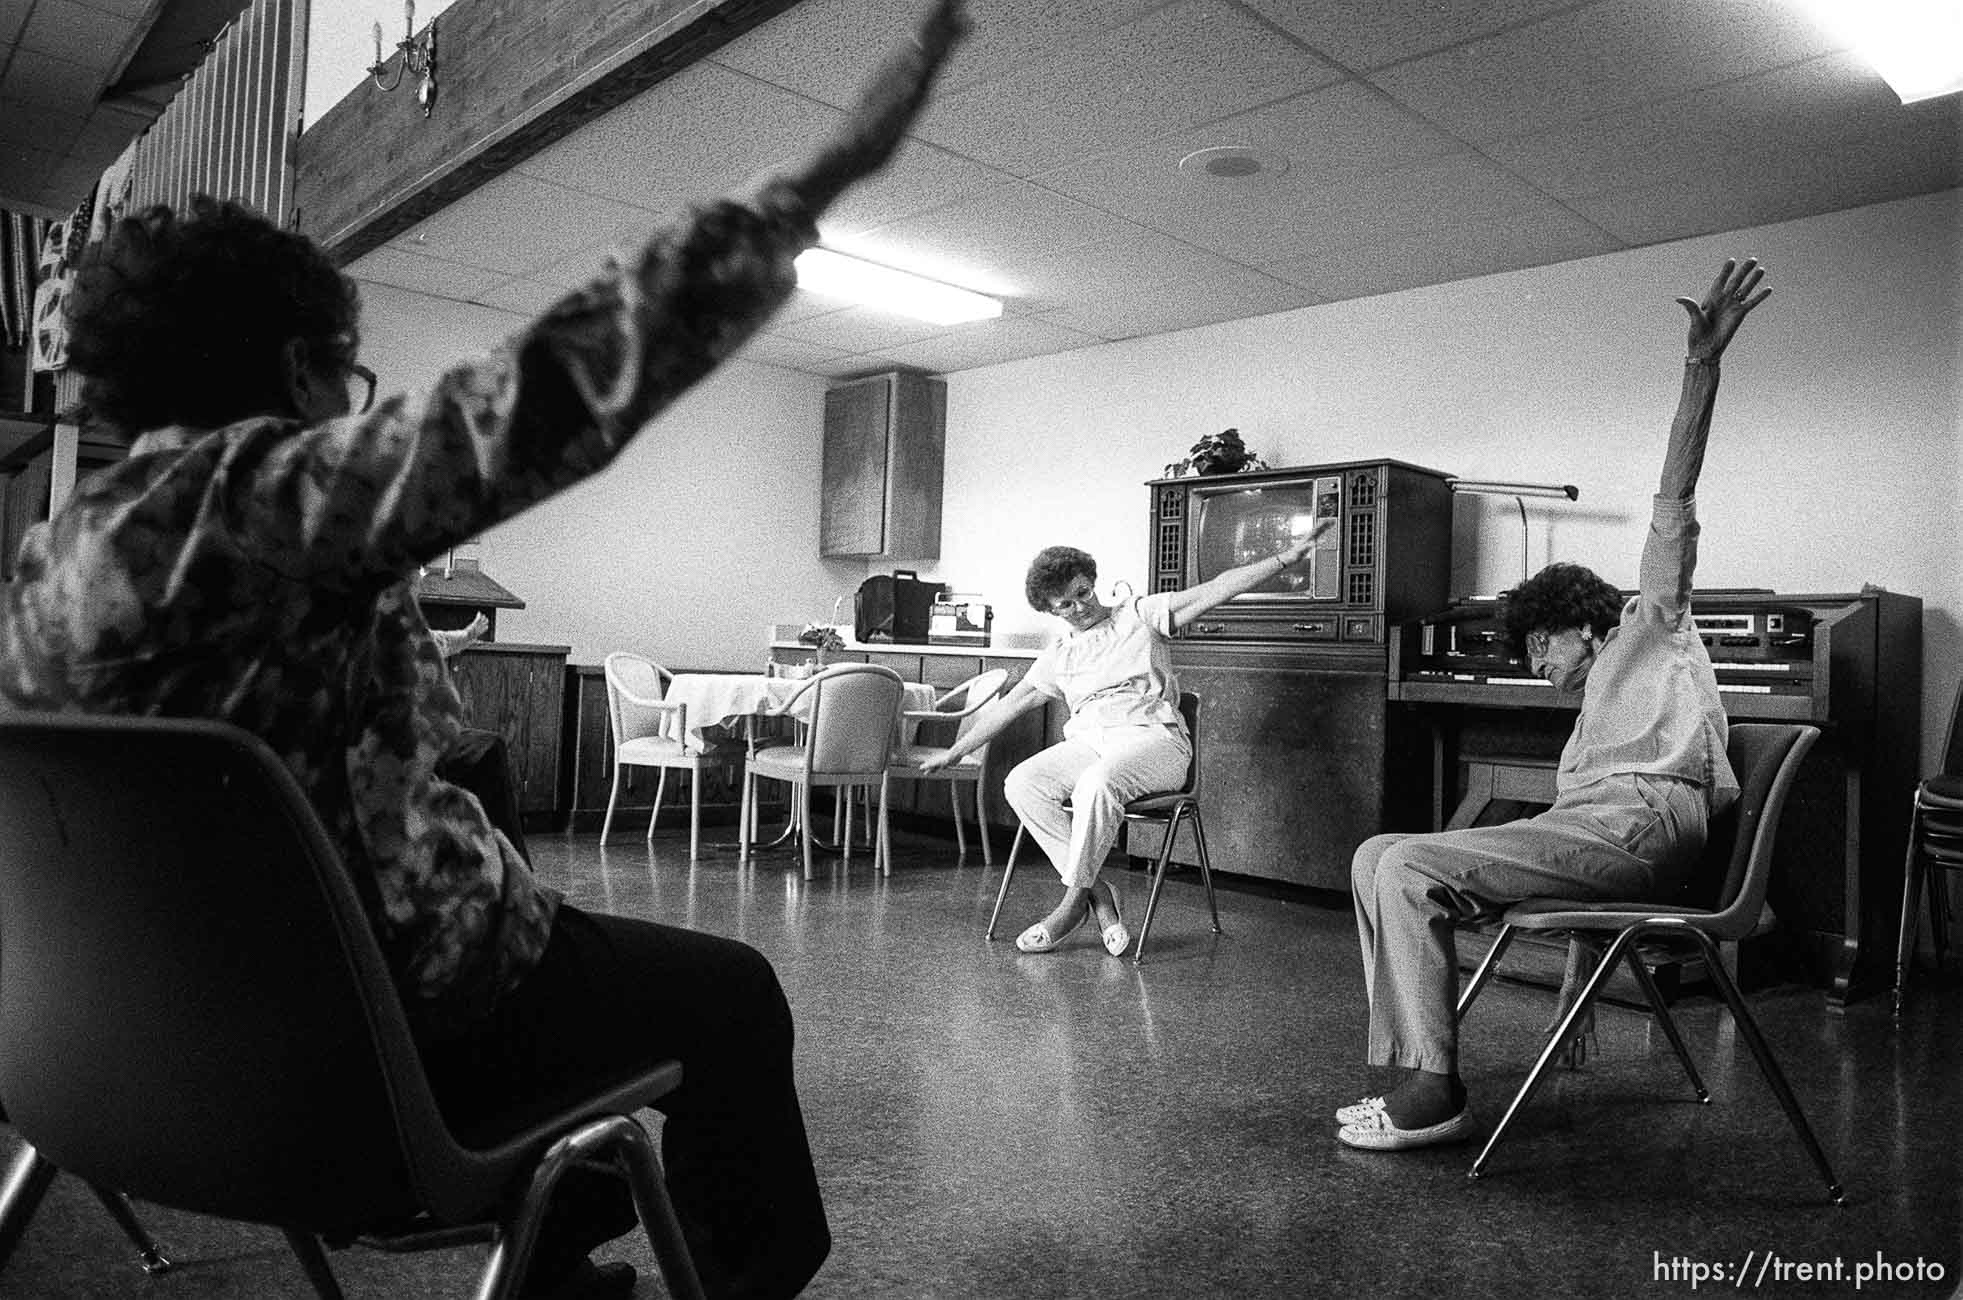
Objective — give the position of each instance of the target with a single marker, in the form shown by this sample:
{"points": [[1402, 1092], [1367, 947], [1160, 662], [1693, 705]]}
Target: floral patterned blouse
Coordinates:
{"points": [[258, 573]]}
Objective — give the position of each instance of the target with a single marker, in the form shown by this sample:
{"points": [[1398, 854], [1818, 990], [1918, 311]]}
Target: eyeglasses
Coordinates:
{"points": [[1081, 593], [361, 389]]}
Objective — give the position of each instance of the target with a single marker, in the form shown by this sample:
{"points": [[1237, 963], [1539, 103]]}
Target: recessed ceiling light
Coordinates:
{"points": [[1233, 162]]}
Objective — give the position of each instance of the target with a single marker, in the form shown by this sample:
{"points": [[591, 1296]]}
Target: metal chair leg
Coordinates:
{"points": [[1002, 894], [1158, 882], [1487, 966], [1562, 1032], [314, 1261], [1775, 1077], [149, 1256], [1911, 883], [607, 823], [20, 1195], [654, 813], [981, 821], [1206, 866], [1668, 1021]]}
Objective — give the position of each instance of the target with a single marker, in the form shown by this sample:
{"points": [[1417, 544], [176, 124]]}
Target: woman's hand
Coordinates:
{"points": [[1726, 304]]}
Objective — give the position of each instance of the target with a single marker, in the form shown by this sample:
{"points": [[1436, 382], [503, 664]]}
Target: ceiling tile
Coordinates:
{"points": [[1170, 70], [988, 343], [920, 179], [428, 275], [1193, 289], [1388, 262], [857, 329], [697, 135], [23, 122], [519, 224], [54, 84], [791, 354], [1599, 58], [79, 34], [1816, 105], [524, 297], [980, 242], [1329, 139], [826, 49], [1364, 34]]}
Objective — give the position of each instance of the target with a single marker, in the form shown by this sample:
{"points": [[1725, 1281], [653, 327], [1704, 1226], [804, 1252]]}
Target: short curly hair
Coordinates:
{"points": [[185, 319], [1559, 596], [1052, 572]]}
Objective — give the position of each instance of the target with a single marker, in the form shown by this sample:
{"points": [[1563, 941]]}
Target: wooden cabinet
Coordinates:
{"points": [[884, 446], [516, 691], [1299, 761]]}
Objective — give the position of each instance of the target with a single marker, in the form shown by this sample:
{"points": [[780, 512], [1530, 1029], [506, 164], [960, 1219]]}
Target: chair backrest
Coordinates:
{"points": [[970, 695], [1953, 738], [195, 1008], [634, 675], [1189, 709], [854, 713], [1736, 867]]}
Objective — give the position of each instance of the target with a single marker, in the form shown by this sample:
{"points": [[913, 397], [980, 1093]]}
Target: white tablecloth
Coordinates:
{"points": [[717, 700]]}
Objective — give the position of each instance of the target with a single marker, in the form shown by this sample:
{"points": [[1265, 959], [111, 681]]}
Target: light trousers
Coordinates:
{"points": [[1099, 771], [1630, 837]]}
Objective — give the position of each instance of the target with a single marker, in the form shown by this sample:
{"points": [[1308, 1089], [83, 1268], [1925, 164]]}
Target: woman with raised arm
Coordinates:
{"points": [[252, 560], [1641, 775], [1112, 668]]}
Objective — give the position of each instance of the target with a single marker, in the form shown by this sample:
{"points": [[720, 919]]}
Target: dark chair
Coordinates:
{"points": [[1169, 810], [197, 1013], [1724, 899], [1935, 848]]}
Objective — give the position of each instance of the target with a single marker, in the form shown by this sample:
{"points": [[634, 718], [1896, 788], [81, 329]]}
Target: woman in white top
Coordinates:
{"points": [[1125, 738]]}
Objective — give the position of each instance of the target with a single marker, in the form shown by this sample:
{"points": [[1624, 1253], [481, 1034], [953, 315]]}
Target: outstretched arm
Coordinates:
{"points": [[1712, 323], [359, 502], [1187, 605], [990, 719]]}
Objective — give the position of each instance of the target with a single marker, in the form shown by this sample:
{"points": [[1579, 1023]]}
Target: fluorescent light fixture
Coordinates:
{"points": [[1916, 45], [834, 275], [1487, 487]]}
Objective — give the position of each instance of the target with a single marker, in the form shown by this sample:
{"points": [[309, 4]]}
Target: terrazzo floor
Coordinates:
{"points": [[990, 1124]]}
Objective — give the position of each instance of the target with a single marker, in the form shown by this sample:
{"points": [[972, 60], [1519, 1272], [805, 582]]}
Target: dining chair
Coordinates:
{"points": [[1935, 848], [198, 1013], [1721, 903], [851, 712], [1170, 809], [957, 707], [649, 731]]}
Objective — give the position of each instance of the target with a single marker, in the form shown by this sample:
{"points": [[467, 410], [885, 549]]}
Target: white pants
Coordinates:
{"points": [[1625, 838], [1098, 771]]}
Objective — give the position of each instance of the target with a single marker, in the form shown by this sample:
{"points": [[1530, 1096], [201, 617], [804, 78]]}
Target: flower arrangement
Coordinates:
{"points": [[1217, 453], [822, 636]]}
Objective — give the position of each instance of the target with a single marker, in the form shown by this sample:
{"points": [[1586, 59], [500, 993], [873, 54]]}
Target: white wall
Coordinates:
{"points": [[1834, 457], [703, 530]]}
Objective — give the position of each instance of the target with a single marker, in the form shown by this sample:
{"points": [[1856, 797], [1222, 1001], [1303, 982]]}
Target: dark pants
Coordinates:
{"points": [[480, 763], [609, 996]]}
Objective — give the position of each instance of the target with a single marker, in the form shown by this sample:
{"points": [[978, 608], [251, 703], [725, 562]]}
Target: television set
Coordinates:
{"points": [[1387, 559]]}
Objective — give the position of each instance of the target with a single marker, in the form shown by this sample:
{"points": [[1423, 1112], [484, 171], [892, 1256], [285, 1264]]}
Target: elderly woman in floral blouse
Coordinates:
{"points": [[250, 561]]}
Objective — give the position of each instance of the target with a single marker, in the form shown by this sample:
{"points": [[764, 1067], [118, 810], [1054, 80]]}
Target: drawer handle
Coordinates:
{"points": [[1209, 628], [1312, 627]]}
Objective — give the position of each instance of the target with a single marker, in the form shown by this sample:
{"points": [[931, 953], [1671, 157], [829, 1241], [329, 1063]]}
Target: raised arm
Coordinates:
{"points": [[990, 719], [1669, 560], [1712, 323], [1187, 605], [363, 500]]}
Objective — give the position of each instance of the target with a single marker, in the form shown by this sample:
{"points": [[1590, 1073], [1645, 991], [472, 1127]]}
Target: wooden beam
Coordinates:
{"points": [[514, 76]]}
